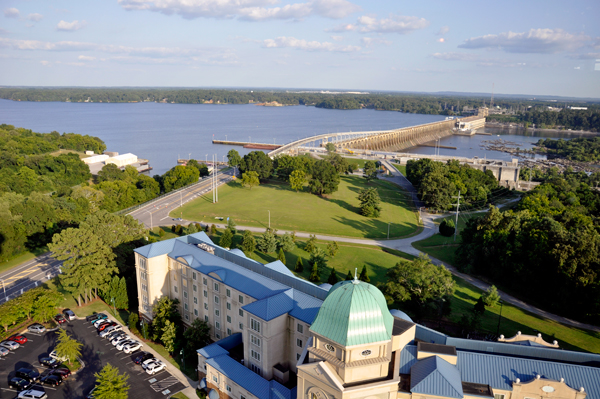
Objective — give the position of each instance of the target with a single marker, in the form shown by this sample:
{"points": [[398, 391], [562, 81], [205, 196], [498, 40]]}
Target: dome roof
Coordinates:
{"points": [[354, 313], [401, 315]]}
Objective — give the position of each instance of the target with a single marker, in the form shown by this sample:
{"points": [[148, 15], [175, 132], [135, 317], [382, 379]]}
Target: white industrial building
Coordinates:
{"points": [[122, 160]]}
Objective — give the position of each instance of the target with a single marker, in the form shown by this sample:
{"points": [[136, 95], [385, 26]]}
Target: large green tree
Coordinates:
{"points": [[197, 336], [248, 243], [297, 180], [369, 202], [110, 384], [67, 347], [179, 176], [325, 179], [259, 162], [250, 179]]}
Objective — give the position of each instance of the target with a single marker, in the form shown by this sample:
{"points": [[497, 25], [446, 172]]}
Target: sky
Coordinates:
{"points": [[533, 47]]}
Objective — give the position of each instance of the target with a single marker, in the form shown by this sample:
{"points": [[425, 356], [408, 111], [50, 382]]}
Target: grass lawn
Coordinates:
{"points": [[399, 168], [27, 256], [179, 395], [336, 214]]}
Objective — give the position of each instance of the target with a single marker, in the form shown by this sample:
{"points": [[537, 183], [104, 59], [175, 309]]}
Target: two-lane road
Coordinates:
{"points": [[28, 275]]}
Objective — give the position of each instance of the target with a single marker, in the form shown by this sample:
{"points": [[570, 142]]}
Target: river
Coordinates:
{"points": [[163, 133]]}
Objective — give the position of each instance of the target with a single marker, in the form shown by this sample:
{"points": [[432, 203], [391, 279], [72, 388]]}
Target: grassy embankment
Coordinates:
{"points": [[335, 214]]}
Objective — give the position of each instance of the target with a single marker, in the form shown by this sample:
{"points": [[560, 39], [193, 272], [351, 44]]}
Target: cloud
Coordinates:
{"points": [[301, 44], [337, 38], [11, 13], [86, 58], [440, 40], [535, 41], [443, 30], [4, 32], [456, 56], [45, 63], [70, 26], [587, 56], [400, 24], [35, 17], [481, 61], [251, 10], [369, 41]]}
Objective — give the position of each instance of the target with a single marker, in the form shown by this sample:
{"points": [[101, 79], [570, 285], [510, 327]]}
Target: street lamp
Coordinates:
{"points": [[269, 219], [4, 288], [388, 230], [150, 218], [143, 328], [114, 307], [182, 358], [499, 317]]}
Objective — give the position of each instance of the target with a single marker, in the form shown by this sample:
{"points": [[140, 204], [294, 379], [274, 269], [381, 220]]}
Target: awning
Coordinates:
{"points": [[202, 383], [213, 394]]}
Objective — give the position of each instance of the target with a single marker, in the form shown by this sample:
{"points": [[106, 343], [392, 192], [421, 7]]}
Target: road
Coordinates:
{"points": [[28, 275], [158, 211]]}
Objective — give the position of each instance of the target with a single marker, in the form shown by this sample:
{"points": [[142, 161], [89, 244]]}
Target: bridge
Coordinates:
{"points": [[396, 139]]}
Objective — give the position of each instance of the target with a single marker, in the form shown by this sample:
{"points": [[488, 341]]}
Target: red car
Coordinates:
{"points": [[60, 319], [20, 339], [103, 326]]}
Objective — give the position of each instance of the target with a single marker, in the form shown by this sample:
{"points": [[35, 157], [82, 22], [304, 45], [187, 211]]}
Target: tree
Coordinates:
{"points": [[169, 333], [325, 179], [447, 228], [259, 162], [67, 347], [315, 276], [233, 157], [311, 244], [231, 225], [121, 299], [45, 306], [299, 266], [226, 239], [197, 336], [369, 202], [110, 384], [191, 229], [267, 242], [363, 275], [330, 147], [213, 230], [248, 243], [491, 296], [109, 172], [317, 257], [332, 248], [286, 242], [111, 291], [250, 179], [479, 307], [281, 256], [133, 320], [333, 278], [419, 281], [370, 171], [161, 232], [297, 180], [349, 276], [179, 176], [202, 168], [338, 162], [164, 310], [9, 314]]}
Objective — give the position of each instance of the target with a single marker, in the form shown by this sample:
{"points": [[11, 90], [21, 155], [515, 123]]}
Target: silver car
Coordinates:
{"points": [[3, 351], [10, 345], [37, 328]]}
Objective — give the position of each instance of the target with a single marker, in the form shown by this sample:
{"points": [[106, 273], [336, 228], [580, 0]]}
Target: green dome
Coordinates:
{"points": [[354, 313]]}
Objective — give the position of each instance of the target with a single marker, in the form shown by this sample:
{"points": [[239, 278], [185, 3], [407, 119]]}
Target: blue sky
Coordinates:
{"points": [[521, 47]]}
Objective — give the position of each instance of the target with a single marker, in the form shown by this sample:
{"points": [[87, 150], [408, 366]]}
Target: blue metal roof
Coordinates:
{"points": [[272, 307], [156, 248], [211, 351], [280, 267], [408, 357], [435, 376], [429, 335], [306, 307], [500, 371]]}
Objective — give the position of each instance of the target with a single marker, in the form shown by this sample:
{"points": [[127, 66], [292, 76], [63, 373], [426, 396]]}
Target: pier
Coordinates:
{"points": [[247, 144]]}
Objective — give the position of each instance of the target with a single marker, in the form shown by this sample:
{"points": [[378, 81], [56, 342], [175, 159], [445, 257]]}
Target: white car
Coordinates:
{"points": [[110, 329], [54, 355], [37, 328], [145, 363], [122, 344], [32, 394], [120, 339], [3, 351], [10, 345], [155, 367], [132, 347], [100, 321]]}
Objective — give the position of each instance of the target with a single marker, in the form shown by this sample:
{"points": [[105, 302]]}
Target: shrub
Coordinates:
{"points": [[447, 228], [161, 232]]}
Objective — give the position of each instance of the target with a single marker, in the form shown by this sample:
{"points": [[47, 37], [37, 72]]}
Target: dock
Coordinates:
{"points": [[247, 144], [431, 144]]}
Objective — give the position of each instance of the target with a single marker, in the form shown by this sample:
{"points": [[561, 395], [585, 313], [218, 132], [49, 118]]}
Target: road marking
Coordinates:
{"points": [[166, 217]]}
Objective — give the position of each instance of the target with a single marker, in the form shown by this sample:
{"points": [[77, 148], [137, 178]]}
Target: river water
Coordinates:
{"points": [[163, 133]]}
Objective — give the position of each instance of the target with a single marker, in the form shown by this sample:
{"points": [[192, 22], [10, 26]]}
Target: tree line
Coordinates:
{"points": [[548, 249], [570, 119], [583, 149]]}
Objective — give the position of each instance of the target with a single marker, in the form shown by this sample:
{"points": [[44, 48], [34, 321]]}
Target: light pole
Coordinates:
{"points": [[182, 358], [189, 156], [206, 159], [269, 219], [4, 288], [225, 137], [143, 329], [114, 307], [499, 317], [388, 230], [150, 218]]}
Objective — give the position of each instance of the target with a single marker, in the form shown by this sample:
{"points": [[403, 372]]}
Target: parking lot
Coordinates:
{"points": [[96, 353]]}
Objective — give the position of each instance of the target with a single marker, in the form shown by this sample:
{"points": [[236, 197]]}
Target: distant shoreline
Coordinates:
{"points": [[504, 125]]}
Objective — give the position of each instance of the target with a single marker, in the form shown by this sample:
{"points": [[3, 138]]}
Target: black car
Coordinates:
{"points": [[19, 384], [50, 362], [52, 379], [62, 372], [142, 357], [28, 374]]}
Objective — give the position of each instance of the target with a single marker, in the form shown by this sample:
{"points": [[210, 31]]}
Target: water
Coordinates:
{"points": [[163, 133]]}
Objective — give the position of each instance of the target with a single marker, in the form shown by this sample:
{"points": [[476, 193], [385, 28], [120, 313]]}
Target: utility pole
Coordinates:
{"points": [[456, 222]]}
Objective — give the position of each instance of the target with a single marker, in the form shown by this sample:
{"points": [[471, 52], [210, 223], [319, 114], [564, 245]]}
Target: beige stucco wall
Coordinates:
{"points": [[156, 282]]}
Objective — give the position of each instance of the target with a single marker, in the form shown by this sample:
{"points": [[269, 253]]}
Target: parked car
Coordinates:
{"points": [[32, 394], [104, 326], [60, 319], [19, 339], [28, 374], [90, 395], [54, 355], [119, 339], [122, 344], [50, 362], [96, 317], [69, 315], [155, 367], [110, 329], [3, 351], [98, 322], [62, 372], [51, 379], [147, 362], [132, 347], [19, 384], [36, 328], [115, 334], [10, 345], [142, 357]]}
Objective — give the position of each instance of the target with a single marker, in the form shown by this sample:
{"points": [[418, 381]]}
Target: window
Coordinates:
{"points": [[229, 331], [206, 306], [255, 355], [187, 317], [297, 356], [204, 281], [217, 313], [194, 276], [143, 276], [206, 319], [242, 397], [195, 288], [241, 326], [228, 388], [329, 347], [215, 379], [299, 343], [184, 282], [185, 306], [144, 287], [142, 263], [255, 368], [228, 306], [300, 328], [174, 276], [366, 353], [255, 340], [217, 325], [255, 325], [228, 319], [216, 299], [144, 299], [218, 336], [196, 300], [498, 396], [241, 299], [185, 294], [216, 287], [228, 293], [175, 288], [196, 312], [205, 294], [241, 312]]}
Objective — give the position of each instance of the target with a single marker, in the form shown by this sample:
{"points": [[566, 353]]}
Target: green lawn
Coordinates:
{"points": [[179, 395], [337, 214], [27, 256], [399, 168]]}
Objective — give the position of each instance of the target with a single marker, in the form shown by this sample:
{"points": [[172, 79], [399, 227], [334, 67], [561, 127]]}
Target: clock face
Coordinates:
{"points": [[547, 388], [329, 347], [366, 353]]}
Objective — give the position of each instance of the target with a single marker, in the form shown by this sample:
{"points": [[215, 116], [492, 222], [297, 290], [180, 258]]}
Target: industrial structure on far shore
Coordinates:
{"points": [[281, 337], [97, 162]]}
